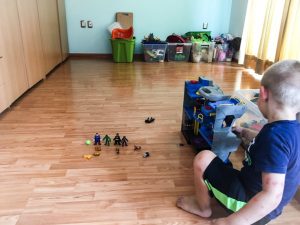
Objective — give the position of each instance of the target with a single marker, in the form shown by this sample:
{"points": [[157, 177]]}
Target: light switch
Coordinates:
{"points": [[90, 24], [82, 24]]}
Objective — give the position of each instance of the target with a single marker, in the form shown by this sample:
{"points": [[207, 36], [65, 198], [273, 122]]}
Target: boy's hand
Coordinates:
{"points": [[237, 130], [245, 133]]}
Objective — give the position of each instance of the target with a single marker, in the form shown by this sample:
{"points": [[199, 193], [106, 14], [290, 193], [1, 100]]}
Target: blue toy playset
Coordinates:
{"points": [[208, 117]]}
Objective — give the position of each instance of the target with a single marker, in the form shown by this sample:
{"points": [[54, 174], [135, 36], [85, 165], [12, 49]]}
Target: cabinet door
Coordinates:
{"points": [[48, 16], [14, 71], [32, 40], [3, 97], [1, 68], [3, 102], [63, 29]]}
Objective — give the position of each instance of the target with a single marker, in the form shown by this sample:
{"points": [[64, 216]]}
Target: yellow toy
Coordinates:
{"points": [[88, 157]]}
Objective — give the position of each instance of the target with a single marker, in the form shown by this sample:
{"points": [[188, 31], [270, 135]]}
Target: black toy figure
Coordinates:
{"points": [[149, 120], [124, 141], [97, 139], [117, 139], [146, 154]]}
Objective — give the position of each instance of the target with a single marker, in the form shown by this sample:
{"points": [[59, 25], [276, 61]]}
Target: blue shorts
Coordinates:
{"points": [[224, 184]]}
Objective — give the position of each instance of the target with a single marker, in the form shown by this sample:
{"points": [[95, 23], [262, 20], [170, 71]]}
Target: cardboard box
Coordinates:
{"points": [[125, 19]]}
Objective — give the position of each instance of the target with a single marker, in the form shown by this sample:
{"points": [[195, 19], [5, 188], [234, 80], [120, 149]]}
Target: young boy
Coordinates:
{"points": [[271, 173]]}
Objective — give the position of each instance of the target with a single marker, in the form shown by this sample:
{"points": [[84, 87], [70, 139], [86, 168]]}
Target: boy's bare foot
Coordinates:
{"points": [[190, 204]]}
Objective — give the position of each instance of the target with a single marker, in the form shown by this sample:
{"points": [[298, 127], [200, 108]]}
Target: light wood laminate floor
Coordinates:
{"points": [[44, 179]]}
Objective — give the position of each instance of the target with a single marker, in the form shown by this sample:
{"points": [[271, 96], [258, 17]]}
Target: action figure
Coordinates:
{"points": [[107, 140], [97, 139], [124, 141], [117, 139]]}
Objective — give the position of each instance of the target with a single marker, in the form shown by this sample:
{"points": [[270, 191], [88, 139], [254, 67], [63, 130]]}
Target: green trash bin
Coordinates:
{"points": [[123, 50]]}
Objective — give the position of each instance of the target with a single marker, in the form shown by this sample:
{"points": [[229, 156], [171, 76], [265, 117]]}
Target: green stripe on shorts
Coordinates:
{"points": [[230, 203]]}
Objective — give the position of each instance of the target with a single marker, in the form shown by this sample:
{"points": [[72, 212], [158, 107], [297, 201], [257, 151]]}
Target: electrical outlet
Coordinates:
{"points": [[90, 24], [82, 24]]}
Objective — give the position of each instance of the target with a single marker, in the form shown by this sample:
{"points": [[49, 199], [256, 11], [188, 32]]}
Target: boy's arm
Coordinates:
{"points": [[261, 204]]}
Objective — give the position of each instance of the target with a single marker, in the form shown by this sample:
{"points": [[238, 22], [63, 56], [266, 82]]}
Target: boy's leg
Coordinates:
{"points": [[200, 203]]}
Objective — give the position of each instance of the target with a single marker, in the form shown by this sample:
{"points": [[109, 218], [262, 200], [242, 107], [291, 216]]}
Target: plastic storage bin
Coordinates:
{"points": [[178, 51], [122, 50], [202, 51], [154, 52]]}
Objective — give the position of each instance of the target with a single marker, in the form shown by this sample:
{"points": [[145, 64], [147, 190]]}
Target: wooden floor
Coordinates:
{"points": [[45, 180]]}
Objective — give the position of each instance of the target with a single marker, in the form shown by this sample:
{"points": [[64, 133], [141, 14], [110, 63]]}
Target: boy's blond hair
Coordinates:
{"points": [[283, 80]]}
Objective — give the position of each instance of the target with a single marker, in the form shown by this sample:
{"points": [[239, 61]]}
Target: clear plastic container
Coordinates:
{"points": [[178, 51], [154, 52]]}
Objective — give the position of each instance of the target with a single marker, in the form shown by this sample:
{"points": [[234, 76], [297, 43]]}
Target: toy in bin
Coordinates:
{"points": [[200, 36], [122, 33]]}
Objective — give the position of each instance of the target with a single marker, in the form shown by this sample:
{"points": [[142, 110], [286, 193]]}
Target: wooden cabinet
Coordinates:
{"points": [[63, 29], [1, 69], [3, 97], [49, 25], [13, 65], [32, 41]]}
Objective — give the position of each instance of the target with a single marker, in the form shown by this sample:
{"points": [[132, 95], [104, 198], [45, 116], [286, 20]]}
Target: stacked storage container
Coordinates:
{"points": [[178, 49], [202, 47], [154, 49]]}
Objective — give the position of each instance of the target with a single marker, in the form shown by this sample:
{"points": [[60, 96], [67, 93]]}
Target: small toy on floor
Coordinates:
{"points": [[146, 154], [96, 154], [107, 140], [137, 148], [98, 148], [149, 120], [97, 139], [117, 139], [124, 141], [88, 157]]}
